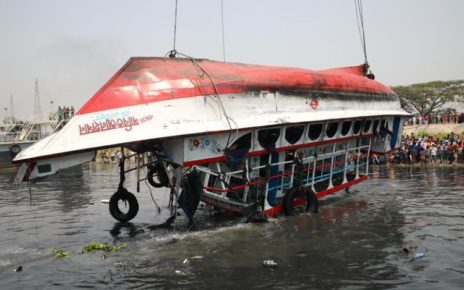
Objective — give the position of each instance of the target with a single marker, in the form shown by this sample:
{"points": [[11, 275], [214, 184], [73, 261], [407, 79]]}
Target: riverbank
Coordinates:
{"points": [[434, 129]]}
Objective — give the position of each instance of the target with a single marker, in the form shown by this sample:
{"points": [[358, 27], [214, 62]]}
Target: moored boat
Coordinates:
{"points": [[17, 135]]}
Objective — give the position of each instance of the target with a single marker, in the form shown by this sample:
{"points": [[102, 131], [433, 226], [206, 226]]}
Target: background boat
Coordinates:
{"points": [[17, 135]]}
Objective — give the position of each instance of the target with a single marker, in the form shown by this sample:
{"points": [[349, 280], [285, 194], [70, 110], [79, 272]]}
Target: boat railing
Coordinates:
{"points": [[316, 169], [10, 126], [59, 120], [25, 132]]}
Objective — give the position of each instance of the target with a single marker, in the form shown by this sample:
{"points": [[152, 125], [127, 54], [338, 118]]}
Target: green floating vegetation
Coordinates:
{"points": [[59, 253], [94, 246]]}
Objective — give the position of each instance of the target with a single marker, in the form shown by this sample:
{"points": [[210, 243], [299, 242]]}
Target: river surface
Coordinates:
{"points": [[355, 242]]}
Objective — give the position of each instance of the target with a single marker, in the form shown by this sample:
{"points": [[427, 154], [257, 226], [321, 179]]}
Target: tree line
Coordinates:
{"points": [[425, 99]]}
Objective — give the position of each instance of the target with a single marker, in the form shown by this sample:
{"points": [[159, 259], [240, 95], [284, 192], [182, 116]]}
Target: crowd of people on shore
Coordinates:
{"points": [[425, 150], [451, 118]]}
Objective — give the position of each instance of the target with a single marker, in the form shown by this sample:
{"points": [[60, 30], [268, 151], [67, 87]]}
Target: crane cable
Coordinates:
{"points": [[360, 21], [173, 52], [229, 119], [223, 34], [362, 36]]}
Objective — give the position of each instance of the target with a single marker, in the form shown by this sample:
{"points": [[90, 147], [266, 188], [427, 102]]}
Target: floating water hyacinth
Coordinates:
{"points": [[94, 246], [59, 253]]}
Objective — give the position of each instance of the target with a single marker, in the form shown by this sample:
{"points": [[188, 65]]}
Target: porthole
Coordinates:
{"points": [[346, 126], [242, 143], [367, 126], [332, 129], [268, 138], [357, 126], [315, 131], [293, 134], [376, 128]]}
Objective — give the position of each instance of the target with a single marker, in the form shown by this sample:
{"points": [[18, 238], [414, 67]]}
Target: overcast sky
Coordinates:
{"points": [[74, 46]]}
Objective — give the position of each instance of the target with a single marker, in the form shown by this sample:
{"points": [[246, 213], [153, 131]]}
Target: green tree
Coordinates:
{"points": [[427, 98]]}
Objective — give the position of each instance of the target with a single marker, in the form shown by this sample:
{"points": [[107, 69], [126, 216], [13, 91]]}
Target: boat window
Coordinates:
{"points": [[376, 128], [293, 134], [367, 126], [346, 126], [331, 129], [242, 143], [382, 125], [314, 131], [357, 126], [235, 153], [268, 138]]}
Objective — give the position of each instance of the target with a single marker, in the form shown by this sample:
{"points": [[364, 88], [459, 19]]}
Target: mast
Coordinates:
{"points": [[11, 107], [37, 108]]}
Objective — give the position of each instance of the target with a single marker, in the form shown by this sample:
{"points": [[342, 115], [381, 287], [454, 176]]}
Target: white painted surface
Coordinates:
{"points": [[191, 116]]}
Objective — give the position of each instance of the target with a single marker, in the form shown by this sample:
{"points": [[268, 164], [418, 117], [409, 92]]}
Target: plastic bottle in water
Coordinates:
{"points": [[419, 256]]}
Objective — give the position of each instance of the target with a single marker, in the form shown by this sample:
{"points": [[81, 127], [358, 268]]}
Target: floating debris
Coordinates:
{"points": [[269, 263], [94, 246], [197, 257], [180, 273], [406, 250], [104, 257], [59, 253], [301, 254], [419, 256], [186, 261], [19, 269], [105, 201]]}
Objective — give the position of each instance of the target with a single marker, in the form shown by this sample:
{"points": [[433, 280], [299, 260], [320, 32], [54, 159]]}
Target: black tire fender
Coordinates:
{"points": [[312, 203], [127, 197], [289, 199], [157, 172], [14, 150]]}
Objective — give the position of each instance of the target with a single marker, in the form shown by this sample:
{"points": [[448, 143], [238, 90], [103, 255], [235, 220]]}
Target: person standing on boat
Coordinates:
{"points": [[60, 113], [66, 113], [72, 111]]}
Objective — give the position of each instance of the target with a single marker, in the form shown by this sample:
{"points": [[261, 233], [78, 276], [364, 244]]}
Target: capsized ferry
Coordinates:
{"points": [[243, 138]]}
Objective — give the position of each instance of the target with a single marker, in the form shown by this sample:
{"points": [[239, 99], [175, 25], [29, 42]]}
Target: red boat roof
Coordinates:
{"points": [[152, 79]]}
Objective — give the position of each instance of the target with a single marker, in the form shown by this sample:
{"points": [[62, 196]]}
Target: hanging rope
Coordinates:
{"points": [[173, 52], [362, 36], [216, 94], [360, 21], [223, 35]]}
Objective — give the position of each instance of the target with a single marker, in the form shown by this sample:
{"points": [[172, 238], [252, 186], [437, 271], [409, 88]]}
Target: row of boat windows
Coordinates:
{"points": [[267, 138]]}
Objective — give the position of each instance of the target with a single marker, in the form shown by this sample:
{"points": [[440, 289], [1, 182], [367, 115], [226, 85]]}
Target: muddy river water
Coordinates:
{"points": [[366, 239]]}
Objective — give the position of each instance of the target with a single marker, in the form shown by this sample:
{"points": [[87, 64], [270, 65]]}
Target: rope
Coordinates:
{"points": [[152, 198], [122, 176], [216, 93], [360, 21], [173, 51], [223, 35]]}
